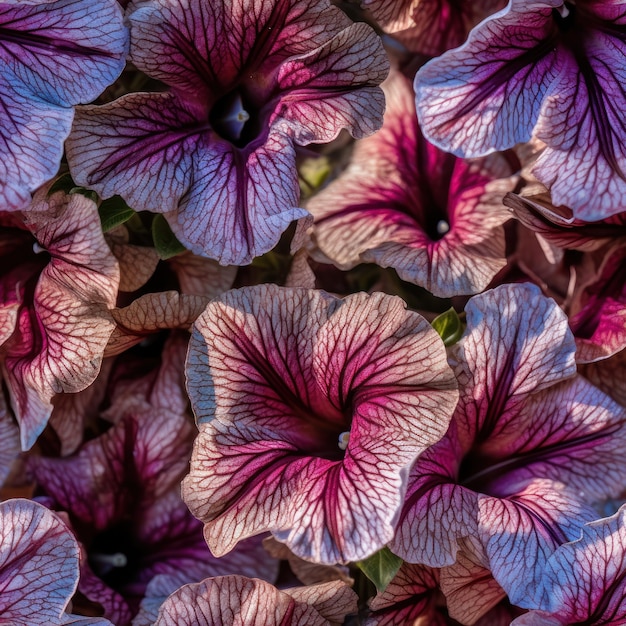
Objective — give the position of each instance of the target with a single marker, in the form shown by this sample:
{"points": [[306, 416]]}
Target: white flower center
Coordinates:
{"points": [[342, 443], [442, 227]]}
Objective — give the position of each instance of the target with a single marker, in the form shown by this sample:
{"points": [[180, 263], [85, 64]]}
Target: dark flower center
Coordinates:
{"points": [[236, 118], [565, 17], [115, 555]]}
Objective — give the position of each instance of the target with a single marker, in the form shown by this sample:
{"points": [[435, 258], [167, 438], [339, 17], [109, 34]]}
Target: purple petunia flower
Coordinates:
{"points": [[54, 54], [248, 81], [530, 446], [311, 410], [548, 68]]}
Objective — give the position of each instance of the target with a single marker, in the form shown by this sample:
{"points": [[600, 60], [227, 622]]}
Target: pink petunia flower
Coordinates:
{"points": [[248, 82], [58, 280], [311, 410], [403, 203], [530, 446]]}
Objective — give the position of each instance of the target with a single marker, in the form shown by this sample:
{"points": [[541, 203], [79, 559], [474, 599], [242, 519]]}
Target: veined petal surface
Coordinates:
{"points": [[63, 323], [38, 564], [403, 203], [53, 55], [306, 402], [239, 601]]}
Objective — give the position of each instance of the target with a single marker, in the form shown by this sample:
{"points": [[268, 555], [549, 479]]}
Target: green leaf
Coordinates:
{"points": [[164, 239], [62, 183], [83, 191], [380, 568], [312, 174], [113, 212], [449, 327]]}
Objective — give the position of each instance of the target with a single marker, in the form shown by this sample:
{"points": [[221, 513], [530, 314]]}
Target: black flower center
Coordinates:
{"points": [[115, 555], [565, 17], [236, 118]]}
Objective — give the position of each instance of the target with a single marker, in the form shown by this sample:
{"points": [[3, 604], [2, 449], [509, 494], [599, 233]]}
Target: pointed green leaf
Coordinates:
{"points": [[164, 239], [380, 568], [113, 212], [449, 327]]}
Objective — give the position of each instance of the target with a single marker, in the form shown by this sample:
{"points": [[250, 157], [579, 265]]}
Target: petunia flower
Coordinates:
{"points": [[58, 280], [240, 601], [598, 315], [548, 68], [530, 446], [38, 567], [403, 203], [121, 494], [56, 54], [248, 81], [584, 581], [558, 226], [311, 410], [430, 27]]}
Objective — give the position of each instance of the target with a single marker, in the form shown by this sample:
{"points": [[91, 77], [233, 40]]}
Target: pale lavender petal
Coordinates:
{"points": [[518, 342], [521, 532], [332, 88], [140, 147], [38, 564], [583, 581], [66, 51], [269, 436], [32, 133], [487, 95], [238, 207], [582, 122], [570, 433]]}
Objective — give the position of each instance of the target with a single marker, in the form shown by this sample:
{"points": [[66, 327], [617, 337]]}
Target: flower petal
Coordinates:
{"points": [[38, 564]]}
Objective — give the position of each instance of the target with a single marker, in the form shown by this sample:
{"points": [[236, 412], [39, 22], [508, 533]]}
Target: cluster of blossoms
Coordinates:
{"points": [[313, 313]]}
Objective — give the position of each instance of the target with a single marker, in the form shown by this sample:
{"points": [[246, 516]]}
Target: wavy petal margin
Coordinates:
{"points": [[38, 564], [55, 55], [584, 581], [62, 329], [282, 381], [403, 203], [238, 600]]}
